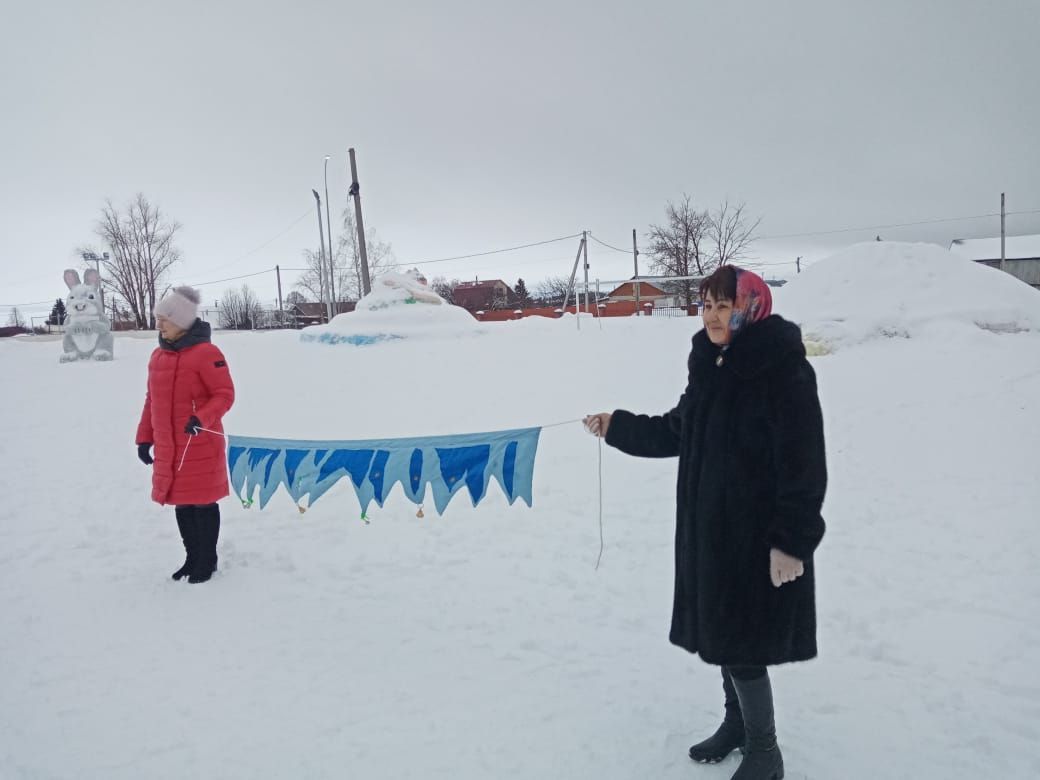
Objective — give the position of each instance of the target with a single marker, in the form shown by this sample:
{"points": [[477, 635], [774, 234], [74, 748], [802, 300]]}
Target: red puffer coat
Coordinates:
{"points": [[187, 377]]}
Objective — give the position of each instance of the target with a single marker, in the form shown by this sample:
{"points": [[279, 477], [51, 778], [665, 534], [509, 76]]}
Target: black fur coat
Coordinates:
{"points": [[748, 432]]}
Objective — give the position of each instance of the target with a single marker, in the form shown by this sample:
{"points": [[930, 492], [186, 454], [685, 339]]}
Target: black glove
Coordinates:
{"points": [[143, 454], [193, 427]]}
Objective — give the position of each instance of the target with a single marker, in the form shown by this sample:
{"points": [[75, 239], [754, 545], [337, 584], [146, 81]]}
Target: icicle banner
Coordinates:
{"points": [[445, 463]]}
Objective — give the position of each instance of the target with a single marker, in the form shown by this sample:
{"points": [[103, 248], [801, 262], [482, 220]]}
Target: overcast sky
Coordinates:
{"points": [[485, 124]]}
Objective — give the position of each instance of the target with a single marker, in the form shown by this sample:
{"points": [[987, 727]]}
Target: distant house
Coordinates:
{"points": [[489, 294], [648, 293], [1021, 254], [304, 314]]}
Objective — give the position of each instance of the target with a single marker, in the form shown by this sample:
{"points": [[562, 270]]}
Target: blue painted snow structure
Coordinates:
{"points": [[357, 339], [399, 306], [444, 463]]}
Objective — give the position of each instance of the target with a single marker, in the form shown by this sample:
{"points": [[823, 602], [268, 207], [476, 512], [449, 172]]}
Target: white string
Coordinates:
{"points": [[185, 453], [192, 436], [565, 422], [207, 430], [599, 442]]}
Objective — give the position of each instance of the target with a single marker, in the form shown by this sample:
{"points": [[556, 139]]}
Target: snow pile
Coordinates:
{"points": [[890, 289], [399, 307]]}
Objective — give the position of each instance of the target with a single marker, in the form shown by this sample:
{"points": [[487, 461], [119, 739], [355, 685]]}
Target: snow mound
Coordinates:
{"points": [[892, 289], [399, 307]]}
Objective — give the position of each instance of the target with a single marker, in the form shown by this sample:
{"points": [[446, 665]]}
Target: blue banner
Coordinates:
{"points": [[374, 466]]}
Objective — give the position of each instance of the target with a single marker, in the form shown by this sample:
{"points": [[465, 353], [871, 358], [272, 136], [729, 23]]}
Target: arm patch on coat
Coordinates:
{"points": [[221, 364]]}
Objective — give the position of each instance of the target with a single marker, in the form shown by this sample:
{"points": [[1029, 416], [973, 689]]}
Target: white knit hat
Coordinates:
{"points": [[180, 307]]}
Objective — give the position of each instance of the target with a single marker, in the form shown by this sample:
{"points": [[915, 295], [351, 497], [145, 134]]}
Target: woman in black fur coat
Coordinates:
{"points": [[748, 433]]}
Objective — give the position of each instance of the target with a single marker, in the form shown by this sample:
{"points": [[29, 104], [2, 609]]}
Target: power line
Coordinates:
{"points": [[764, 265], [399, 265], [233, 278], [491, 252], [608, 246], [295, 222], [267, 243], [566, 238], [897, 225], [30, 303]]}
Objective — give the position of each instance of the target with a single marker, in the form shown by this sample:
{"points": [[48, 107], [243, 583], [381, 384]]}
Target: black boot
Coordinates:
{"points": [[207, 526], [729, 736], [762, 761], [186, 525]]}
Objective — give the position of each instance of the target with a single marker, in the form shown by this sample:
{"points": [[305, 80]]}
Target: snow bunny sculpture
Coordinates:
{"points": [[87, 331]]}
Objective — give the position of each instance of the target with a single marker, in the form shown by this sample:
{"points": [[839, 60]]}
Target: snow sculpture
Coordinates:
{"points": [[400, 306], [87, 331]]}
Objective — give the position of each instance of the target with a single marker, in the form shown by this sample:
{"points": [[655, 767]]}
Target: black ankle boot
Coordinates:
{"points": [[207, 527], [729, 736], [762, 759], [186, 525]]}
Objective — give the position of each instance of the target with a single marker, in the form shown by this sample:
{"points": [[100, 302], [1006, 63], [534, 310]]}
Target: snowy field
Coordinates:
{"points": [[484, 644]]}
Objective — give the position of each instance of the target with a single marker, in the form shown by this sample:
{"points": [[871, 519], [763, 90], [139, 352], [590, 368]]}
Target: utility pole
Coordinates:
{"points": [[635, 263], [571, 285], [599, 310], [328, 227], [355, 192], [585, 261], [798, 263], [281, 311], [321, 234], [1003, 259]]}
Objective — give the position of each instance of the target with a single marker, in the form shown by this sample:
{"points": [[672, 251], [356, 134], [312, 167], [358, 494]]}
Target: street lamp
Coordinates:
{"points": [[321, 235], [95, 258], [328, 226]]}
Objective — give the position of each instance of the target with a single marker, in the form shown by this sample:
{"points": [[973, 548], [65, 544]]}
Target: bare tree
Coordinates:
{"points": [[677, 247], [730, 234], [294, 298], [313, 282], [444, 288], [241, 309], [140, 240], [552, 290], [347, 259], [346, 263], [16, 320]]}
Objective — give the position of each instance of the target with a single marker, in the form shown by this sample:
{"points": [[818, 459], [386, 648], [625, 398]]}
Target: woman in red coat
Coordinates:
{"points": [[189, 391]]}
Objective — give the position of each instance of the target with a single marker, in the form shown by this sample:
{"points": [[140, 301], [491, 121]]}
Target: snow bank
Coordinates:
{"points": [[399, 307], [891, 289]]}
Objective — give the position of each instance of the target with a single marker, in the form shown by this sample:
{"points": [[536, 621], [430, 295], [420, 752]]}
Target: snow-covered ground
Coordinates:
{"points": [[484, 644]]}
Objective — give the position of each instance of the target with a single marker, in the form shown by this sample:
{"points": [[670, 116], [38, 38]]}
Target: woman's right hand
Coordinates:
{"points": [[597, 424]]}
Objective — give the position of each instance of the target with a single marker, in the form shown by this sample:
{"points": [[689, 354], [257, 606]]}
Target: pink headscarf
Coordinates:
{"points": [[754, 301]]}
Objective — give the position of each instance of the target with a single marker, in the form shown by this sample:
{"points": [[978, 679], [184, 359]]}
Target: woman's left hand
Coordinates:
{"points": [[783, 567]]}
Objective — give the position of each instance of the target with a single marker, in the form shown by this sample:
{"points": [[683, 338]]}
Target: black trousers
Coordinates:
{"points": [[199, 525], [745, 672], [197, 511]]}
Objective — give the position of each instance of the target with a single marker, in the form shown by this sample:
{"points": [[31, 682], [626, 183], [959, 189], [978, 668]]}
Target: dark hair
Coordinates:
{"points": [[722, 284]]}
